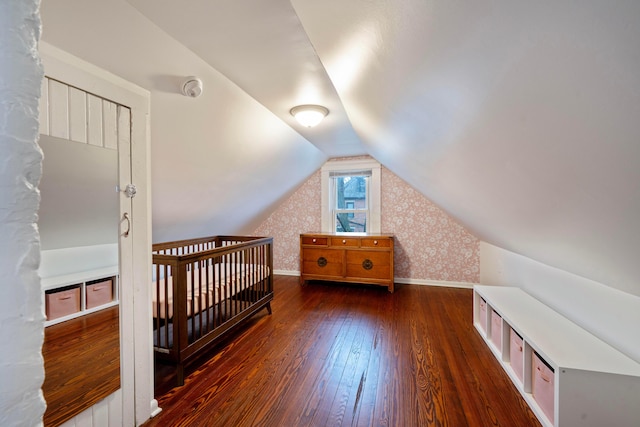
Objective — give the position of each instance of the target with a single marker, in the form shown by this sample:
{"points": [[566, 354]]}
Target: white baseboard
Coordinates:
{"points": [[422, 282], [287, 272], [155, 410], [443, 283]]}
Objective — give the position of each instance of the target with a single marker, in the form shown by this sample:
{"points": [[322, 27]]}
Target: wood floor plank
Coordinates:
{"points": [[319, 376], [347, 378], [345, 355], [368, 357]]}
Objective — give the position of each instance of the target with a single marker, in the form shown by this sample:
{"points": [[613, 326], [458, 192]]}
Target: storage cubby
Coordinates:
{"points": [[516, 354], [482, 315], [566, 375], [72, 295], [496, 330]]}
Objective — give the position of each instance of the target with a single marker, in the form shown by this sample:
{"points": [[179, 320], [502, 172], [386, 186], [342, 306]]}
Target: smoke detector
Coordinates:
{"points": [[192, 87]]}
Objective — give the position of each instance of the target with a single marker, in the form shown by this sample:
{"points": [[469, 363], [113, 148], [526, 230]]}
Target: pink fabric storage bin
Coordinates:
{"points": [[99, 293], [542, 385], [496, 329], [483, 314], [62, 302], [516, 354]]}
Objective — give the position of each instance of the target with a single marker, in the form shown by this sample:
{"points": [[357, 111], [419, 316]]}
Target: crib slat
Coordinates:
{"points": [[191, 313], [167, 274]]}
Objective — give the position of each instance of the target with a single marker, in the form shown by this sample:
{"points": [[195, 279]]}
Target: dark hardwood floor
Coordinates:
{"points": [[81, 363], [341, 355]]}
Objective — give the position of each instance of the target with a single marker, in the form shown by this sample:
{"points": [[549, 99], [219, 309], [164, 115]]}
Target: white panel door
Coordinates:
{"points": [[114, 116]]}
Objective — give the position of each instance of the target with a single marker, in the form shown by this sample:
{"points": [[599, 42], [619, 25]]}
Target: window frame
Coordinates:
{"points": [[346, 166]]}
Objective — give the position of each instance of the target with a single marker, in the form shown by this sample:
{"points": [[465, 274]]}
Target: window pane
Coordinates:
{"points": [[340, 186], [351, 190], [351, 222], [351, 204]]}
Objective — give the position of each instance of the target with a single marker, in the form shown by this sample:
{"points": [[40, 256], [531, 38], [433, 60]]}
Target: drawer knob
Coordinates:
{"points": [[344, 241], [375, 242], [322, 261], [314, 240], [367, 264]]}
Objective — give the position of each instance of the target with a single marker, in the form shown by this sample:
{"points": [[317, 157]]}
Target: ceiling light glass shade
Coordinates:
{"points": [[309, 115]]}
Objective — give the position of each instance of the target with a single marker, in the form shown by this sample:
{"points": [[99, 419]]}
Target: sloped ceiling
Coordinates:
{"points": [[520, 119]]}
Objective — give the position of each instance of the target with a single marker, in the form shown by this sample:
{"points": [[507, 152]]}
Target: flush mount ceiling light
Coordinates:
{"points": [[309, 115]]}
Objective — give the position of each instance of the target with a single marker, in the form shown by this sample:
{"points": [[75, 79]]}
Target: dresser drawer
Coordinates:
{"points": [[314, 240], [348, 242], [368, 264], [375, 243], [325, 262]]}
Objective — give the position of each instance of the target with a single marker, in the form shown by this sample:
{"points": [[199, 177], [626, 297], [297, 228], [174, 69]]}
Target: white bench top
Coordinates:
{"points": [[78, 277], [562, 343]]}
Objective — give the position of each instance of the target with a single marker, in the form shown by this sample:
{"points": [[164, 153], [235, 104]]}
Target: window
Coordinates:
{"points": [[351, 196]]}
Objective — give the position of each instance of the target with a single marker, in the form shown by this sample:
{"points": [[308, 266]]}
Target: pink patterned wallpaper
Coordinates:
{"points": [[429, 244], [298, 214]]}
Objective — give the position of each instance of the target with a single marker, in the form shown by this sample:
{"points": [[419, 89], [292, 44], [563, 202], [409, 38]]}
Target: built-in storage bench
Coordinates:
{"points": [[568, 376], [72, 295]]}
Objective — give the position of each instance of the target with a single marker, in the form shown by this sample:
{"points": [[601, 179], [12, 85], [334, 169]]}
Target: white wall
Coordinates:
{"points": [[218, 160], [21, 314], [610, 314], [519, 118]]}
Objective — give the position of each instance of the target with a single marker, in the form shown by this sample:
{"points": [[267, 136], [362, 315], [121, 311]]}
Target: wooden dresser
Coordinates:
{"points": [[347, 257]]}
